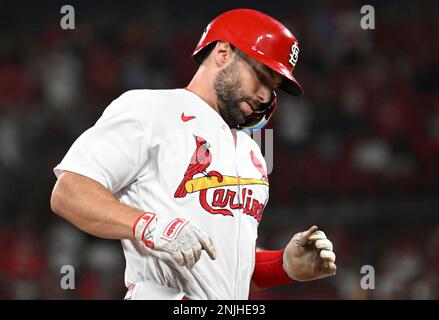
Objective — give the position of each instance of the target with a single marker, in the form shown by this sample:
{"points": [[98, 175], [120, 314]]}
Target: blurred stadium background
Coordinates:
{"points": [[357, 155]]}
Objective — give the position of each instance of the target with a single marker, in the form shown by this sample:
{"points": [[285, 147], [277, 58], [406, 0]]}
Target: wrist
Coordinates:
{"points": [[144, 227], [269, 269]]}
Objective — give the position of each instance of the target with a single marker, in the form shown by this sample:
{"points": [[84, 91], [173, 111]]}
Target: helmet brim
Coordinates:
{"points": [[289, 84]]}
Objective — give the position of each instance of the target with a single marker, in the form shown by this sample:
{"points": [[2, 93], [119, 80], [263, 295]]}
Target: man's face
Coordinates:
{"points": [[242, 87]]}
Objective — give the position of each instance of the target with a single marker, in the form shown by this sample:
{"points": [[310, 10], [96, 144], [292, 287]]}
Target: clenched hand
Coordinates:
{"points": [[309, 256]]}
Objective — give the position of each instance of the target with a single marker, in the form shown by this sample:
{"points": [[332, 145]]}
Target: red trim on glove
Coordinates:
{"points": [[269, 271], [135, 224], [150, 215]]}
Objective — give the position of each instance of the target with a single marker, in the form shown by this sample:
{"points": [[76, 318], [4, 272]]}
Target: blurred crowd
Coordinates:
{"points": [[366, 130]]}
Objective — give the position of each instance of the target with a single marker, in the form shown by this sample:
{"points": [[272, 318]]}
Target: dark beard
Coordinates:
{"points": [[227, 85]]}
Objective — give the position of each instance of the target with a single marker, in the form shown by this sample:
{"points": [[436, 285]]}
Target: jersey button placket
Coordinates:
{"points": [[239, 216]]}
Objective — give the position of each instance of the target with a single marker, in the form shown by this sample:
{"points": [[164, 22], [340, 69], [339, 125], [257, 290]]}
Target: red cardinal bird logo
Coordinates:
{"points": [[258, 165], [201, 159]]}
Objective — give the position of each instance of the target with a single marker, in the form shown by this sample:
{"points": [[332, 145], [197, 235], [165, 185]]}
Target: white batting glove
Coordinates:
{"points": [[183, 240]]}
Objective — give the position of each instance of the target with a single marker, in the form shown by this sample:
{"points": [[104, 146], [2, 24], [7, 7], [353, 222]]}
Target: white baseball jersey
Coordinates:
{"points": [[142, 150]]}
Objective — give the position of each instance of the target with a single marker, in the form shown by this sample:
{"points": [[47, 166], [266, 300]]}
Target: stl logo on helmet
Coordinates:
{"points": [[294, 55]]}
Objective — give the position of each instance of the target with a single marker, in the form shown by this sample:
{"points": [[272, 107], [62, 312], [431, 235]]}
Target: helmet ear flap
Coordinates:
{"points": [[200, 56], [204, 53]]}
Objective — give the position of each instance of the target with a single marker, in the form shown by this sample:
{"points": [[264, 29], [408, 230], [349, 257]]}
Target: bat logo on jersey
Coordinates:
{"points": [[222, 197]]}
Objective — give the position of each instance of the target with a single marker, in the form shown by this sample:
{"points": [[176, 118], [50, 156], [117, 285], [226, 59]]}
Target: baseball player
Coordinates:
{"points": [[175, 176]]}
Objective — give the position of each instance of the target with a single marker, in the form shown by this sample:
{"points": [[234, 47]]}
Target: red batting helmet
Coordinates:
{"points": [[259, 36]]}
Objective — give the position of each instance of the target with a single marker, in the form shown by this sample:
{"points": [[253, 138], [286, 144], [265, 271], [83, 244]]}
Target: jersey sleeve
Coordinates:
{"points": [[113, 151]]}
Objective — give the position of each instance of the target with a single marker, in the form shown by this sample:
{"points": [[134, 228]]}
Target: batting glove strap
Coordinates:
{"points": [[144, 228], [178, 236], [148, 229]]}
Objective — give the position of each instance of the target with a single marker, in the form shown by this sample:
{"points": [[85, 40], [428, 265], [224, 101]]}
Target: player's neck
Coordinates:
{"points": [[202, 85]]}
